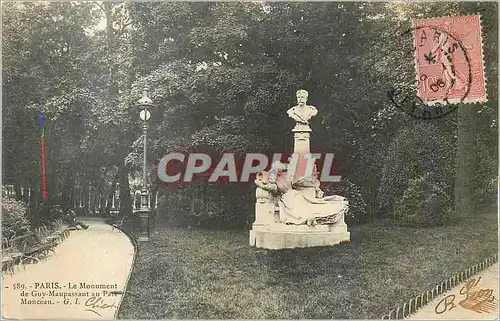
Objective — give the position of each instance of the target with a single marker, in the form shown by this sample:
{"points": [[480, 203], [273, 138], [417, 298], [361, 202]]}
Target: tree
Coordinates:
{"points": [[41, 43], [469, 133]]}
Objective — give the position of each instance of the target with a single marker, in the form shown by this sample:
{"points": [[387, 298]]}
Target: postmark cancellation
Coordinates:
{"points": [[449, 60]]}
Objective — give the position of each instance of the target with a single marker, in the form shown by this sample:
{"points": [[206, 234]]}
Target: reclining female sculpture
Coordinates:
{"points": [[297, 207]]}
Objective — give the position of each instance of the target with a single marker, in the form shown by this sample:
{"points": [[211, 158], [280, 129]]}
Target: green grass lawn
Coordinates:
{"points": [[187, 274]]}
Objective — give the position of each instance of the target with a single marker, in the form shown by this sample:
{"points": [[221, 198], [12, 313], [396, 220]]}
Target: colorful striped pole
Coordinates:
{"points": [[42, 133]]}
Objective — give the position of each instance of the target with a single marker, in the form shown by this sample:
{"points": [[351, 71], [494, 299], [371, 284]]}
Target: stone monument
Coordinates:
{"points": [[291, 210]]}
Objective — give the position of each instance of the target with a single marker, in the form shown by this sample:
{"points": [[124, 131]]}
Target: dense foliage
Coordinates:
{"points": [[204, 206], [14, 220], [221, 76], [358, 210], [423, 203], [415, 150]]}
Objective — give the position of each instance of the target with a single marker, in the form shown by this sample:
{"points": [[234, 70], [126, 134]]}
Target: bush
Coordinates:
{"points": [[206, 206], [44, 213], [14, 220], [223, 207], [173, 207], [424, 203], [357, 205], [415, 151]]}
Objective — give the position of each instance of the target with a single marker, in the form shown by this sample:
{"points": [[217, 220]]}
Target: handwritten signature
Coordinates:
{"points": [[95, 303], [476, 299]]}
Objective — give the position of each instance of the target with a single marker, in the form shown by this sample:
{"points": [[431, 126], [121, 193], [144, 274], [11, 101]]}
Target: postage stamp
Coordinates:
{"points": [[449, 60]]}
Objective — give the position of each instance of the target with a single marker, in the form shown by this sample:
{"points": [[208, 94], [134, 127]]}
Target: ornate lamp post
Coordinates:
{"points": [[144, 212]]}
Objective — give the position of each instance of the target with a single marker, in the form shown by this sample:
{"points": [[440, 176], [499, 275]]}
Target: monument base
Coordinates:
{"points": [[281, 236]]}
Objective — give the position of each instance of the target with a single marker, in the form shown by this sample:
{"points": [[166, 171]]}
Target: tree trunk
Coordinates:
{"points": [[86, 195], [67, 192], [125, 197], [111, 45], [111, 194], [17, 191], [465, 162]]}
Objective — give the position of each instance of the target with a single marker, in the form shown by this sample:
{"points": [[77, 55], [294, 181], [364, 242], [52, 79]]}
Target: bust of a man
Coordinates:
{"points": [[302, 113]]}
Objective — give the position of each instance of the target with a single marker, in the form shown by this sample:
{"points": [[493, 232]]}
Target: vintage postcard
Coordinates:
{"points": [[249, 160]]}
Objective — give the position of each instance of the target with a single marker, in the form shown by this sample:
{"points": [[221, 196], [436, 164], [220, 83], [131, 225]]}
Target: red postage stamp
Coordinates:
{"points": [[449, 60]]}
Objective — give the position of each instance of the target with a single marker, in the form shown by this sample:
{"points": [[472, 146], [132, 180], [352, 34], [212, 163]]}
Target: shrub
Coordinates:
{"points": [[14, 221], [415, 150], [172, 208], [357, 205], [220, 207], [207, 206], [423, 203], [44, 213]]}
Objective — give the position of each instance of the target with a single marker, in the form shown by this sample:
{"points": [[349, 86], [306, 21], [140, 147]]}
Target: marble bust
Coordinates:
{"points": [[302, 113]]}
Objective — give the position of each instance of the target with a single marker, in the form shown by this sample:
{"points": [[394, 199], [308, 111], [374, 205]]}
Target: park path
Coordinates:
{"points": [[449, 307], [100, 257]]}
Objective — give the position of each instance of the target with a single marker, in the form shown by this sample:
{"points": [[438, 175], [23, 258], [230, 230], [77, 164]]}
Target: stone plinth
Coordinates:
{"points": [[301, 142], [281, 236]]}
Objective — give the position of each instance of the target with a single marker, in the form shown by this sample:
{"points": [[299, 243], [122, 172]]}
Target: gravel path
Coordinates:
{"points": [[76, 282]]}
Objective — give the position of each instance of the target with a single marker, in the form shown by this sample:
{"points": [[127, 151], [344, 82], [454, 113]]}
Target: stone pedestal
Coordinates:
{"points": [[144, 214], [281, 236], [301, 135], [144, 220]]}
